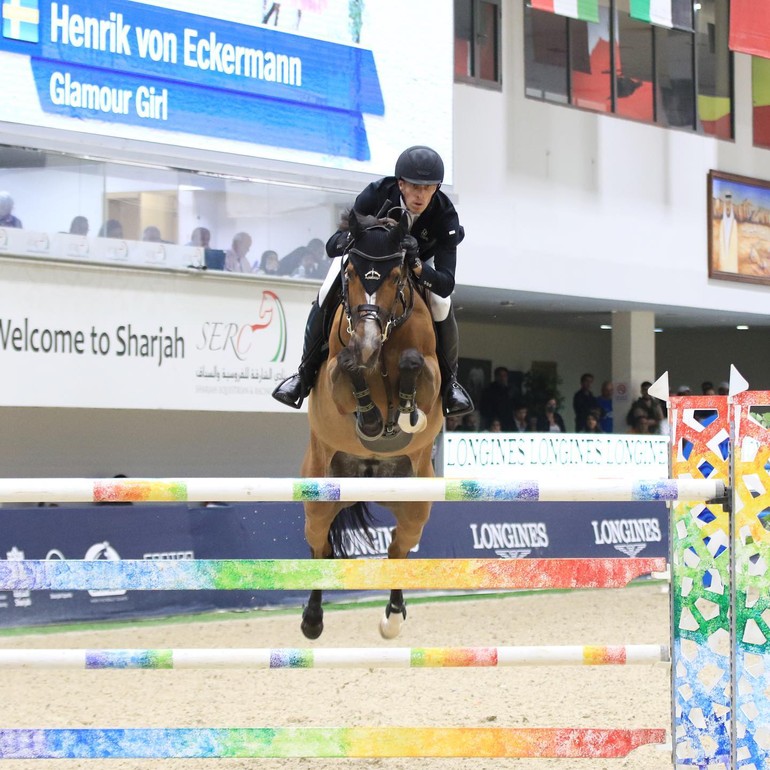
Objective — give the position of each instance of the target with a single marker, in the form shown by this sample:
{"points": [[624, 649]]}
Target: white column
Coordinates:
{"points": [[633, 360]]}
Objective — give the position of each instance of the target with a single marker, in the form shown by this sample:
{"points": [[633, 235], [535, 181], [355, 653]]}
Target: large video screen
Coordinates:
{"points": [[342, 84]]}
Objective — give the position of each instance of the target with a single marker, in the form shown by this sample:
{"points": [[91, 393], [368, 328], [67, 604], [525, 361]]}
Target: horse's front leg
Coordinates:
{"points": [[318, 519], [411, 419], [369, 424]]}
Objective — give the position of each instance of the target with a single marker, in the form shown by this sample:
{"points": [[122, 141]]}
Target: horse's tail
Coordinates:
{"points": [[351, 531]]}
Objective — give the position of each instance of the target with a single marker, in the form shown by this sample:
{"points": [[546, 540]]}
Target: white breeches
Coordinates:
{"points": [[440, 306]]}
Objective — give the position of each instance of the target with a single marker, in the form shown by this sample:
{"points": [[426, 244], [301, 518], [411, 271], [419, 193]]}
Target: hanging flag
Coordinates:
{"points": [[586, 10], [750, 27], [653, 12]]}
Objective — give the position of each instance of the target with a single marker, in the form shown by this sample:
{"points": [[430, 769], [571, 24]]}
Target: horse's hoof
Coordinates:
{"points": [[370, 432], [412, 422], [390, 627], [312, 631]]}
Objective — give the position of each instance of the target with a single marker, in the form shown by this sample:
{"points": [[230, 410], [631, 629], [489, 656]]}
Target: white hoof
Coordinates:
{"points": [[412, 422], [390, 627]]}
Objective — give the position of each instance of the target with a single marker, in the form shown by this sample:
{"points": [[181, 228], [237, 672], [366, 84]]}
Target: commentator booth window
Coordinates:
{"points": [[192, 215]]}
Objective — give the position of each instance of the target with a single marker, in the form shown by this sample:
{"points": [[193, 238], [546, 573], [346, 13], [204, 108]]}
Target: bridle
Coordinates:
{"points": [[388, 319]]}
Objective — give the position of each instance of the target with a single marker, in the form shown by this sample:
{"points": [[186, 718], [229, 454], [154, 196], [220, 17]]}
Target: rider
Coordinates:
{"points": [[431, 251]]}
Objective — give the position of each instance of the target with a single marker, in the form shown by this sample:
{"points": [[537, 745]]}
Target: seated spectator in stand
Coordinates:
{"points": [[111, 229], [550, 421], [453, 423], [471, 422], [495, 426], [707, 388], [235, 257], [684, 390], [520, 422], [314, 252], [641, 424], [723, 389], [79, 226], [7, 219], [650, 406], [604, 401], [592, 424], [152, 234], [200, 237], [268, 263], [495, 399]]}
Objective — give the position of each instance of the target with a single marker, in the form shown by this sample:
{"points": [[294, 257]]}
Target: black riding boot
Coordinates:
{"points": [[295, 389], [457, 402]]}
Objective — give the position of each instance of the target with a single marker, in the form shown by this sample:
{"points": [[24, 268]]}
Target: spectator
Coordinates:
{"points": [[313, 253], [235, 258], [495, 426], [604, 401], [640, 424], [152, 234], [583, 401], [472, 422], [453, 423], [650, 406], [79, 226], [495, 399], [268, 263], [520, 423], [111, 229], [592, 424], [723, 389], [551, 421], [200, 237], [7, 219], [707, 388], [683, 390]]}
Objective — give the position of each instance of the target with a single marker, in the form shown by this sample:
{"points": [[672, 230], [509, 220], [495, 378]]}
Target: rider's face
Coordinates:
{"points": [[417, 196]]}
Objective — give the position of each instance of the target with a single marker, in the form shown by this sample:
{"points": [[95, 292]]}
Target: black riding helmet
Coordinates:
{"points": [[420, 165]]}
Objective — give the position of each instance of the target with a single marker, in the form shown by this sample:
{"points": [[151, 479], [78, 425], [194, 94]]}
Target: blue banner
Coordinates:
{"points": [[275, 531], [127, 62]]}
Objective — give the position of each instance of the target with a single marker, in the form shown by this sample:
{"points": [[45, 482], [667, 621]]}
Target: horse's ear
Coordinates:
{"points": [[354, 223]]}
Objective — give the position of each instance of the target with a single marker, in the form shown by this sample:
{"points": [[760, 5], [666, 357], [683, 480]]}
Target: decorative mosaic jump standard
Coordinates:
{"points": [[751, 589], [700, 589]]}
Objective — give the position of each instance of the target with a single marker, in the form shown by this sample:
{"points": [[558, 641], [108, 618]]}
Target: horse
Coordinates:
{"points": [[375, 410]]}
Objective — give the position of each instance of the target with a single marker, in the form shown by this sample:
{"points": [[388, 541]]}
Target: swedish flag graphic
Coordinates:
{"points": [[21, 20]]}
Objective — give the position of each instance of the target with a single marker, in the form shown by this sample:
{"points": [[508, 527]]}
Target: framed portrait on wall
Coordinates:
{"points": [[738, 228]]}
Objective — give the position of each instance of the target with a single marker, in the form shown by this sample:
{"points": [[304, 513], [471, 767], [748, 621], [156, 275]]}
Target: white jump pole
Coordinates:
{"points": [[353, 490], [357, 657]]}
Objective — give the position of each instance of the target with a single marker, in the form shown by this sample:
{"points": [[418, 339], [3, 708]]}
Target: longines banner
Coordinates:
{"points": [[324, 82], [146, 340], [529, 455]]}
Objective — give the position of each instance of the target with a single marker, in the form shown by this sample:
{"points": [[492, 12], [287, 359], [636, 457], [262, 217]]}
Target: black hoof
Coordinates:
{"points": [[312, 631]]}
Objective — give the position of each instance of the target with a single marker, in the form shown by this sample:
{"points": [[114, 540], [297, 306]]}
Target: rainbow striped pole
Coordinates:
{"points": [[353, 490], [341, 657]]}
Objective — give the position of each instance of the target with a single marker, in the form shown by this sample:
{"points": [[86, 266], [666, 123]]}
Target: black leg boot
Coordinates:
{"points": [[457, 402], [295, 389]]}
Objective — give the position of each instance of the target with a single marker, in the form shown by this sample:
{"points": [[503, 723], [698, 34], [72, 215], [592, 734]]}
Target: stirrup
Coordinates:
{"points": [[464, 403], [290, 398]]}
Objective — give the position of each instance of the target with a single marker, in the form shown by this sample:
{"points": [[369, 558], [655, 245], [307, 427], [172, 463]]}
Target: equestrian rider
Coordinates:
{"points": [[431, 252]]}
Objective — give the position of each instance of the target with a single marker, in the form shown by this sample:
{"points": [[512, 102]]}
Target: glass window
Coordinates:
{"points": [[591, 62], [477, 42], [679, 77], [675, 68], [545, 53], [633, 66], [760, 99], [715, 104], [100, 211]]}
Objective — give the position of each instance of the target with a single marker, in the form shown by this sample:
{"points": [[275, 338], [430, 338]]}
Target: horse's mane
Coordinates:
{"points": [[365, 220]]}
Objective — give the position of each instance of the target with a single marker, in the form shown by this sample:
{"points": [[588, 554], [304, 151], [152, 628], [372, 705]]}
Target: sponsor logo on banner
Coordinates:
{"points": [[169, 555], [535, 455], [53, 555], [629, 536], [357, 543], [20, 598], [509, 539], [103, 551]]}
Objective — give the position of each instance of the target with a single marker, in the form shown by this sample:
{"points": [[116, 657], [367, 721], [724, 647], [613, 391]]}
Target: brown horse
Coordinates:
{"points": [[376, 408]]}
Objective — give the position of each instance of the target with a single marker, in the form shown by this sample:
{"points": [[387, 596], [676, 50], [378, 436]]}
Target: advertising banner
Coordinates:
{"points": [[144, 340], [570, 455], [275, 531], [324, 82]]}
